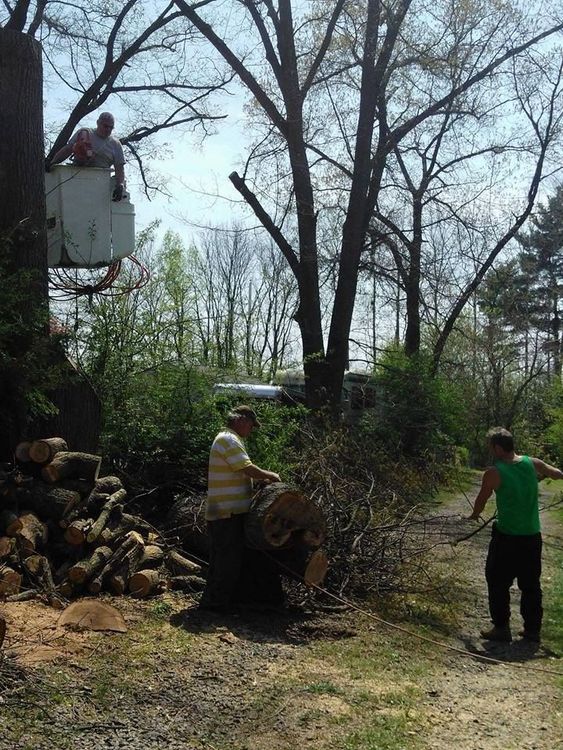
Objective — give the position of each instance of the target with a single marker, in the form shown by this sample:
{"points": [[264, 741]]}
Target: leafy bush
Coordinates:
{"points": [[163, 427], [416, 413]]}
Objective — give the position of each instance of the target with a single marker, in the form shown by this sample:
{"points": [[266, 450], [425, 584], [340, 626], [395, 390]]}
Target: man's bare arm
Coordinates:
{"points": [[489, 484], [120, 174], [544, 470]]}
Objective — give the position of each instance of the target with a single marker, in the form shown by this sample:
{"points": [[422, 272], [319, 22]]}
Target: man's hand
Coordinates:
{"points": [[273, 477], [118, 193]]}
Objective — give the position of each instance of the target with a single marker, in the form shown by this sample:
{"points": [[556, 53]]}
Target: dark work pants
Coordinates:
{"points": [[226, 550], [237, 574], [513, 557]]}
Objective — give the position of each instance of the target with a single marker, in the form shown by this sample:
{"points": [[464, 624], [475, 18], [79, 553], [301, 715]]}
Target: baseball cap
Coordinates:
{"points": [[246, 411]]}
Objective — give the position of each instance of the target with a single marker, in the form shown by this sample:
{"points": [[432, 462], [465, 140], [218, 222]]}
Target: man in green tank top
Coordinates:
{"points": [[516, 544]]}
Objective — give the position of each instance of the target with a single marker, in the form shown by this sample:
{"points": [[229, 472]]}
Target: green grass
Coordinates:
{"points": [[323, 688], [553, 602]]}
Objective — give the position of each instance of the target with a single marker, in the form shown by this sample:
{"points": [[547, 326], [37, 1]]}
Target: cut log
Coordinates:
{"points": [[39, 570], [23, 596], [82, 486], [7, 546], [10, 581], [152, 556], [142, 558], [302, 564], [113, 505], [72, 465], [93, 501], [69, 590], [10, 522], [76, 532], [144, 582], [50, 503], [33, 533], [117, 529], [131, 542], [22, 452], [118, 581], [43, 451], [85, 569], [179, 564], [103, 488], [62, 571], [282, 515], [187, 584]]}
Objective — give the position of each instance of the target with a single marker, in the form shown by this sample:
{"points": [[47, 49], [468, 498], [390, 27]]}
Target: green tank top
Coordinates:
{"points": [[517, 498]]}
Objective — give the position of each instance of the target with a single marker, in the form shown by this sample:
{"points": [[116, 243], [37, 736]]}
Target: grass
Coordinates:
{"points": [[553, 602]]}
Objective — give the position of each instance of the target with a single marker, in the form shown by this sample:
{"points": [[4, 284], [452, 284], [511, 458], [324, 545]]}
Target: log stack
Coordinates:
{"points": [[65, 532]]}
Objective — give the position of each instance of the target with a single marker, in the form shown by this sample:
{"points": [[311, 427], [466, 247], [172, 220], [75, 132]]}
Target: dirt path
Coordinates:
{"points": [[480, 706], [180, 681]]}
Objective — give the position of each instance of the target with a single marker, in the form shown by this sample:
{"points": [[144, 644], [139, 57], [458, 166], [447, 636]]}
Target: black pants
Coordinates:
{"points": [[513, 557], [237, 574], [226, 550]]}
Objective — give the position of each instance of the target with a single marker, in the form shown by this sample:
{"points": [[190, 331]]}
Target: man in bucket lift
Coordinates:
{"points": [[91, 147]]}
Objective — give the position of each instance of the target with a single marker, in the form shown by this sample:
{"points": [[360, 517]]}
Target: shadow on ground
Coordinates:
{"points": [[292, 625]]}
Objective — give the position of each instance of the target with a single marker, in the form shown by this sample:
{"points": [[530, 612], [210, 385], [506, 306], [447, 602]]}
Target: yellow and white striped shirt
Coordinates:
{"points": [[229, 491]]}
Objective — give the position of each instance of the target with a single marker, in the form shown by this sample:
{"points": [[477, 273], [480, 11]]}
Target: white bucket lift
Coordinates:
{"points": [[85, 228]]}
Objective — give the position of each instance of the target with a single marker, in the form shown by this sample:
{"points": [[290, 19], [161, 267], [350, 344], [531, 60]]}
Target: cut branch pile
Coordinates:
{"points": [[65, 532]]}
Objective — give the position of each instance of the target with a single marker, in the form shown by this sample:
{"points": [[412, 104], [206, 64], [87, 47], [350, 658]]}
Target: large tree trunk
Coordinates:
{"points": [[22, 214], [282, 516]]}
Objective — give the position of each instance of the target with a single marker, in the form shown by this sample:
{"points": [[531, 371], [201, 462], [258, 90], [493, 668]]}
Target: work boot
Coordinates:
{"points": [[530, 635], [497, 633]]}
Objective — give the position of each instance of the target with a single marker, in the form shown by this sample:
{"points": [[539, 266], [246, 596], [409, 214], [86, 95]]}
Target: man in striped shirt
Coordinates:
{"points": [[229, 496]]}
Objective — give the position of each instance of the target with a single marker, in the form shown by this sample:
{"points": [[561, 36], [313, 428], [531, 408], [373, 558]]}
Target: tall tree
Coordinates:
{"points": [[327, 83], [97, 50]]}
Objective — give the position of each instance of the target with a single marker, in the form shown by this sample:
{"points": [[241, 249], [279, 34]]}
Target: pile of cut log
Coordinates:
{"points": [[65, 532]]}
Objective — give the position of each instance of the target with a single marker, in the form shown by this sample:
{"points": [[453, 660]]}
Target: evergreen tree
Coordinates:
{"points": [[541, 262]]}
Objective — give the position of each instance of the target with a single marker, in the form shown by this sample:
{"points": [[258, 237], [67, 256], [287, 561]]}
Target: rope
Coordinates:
{"points": [[427, 639]]}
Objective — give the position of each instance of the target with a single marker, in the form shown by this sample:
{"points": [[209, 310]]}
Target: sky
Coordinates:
{"points": [[197, 177]]}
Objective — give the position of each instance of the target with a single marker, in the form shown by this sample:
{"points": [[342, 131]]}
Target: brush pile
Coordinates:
{"points": [[65, 532]]}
